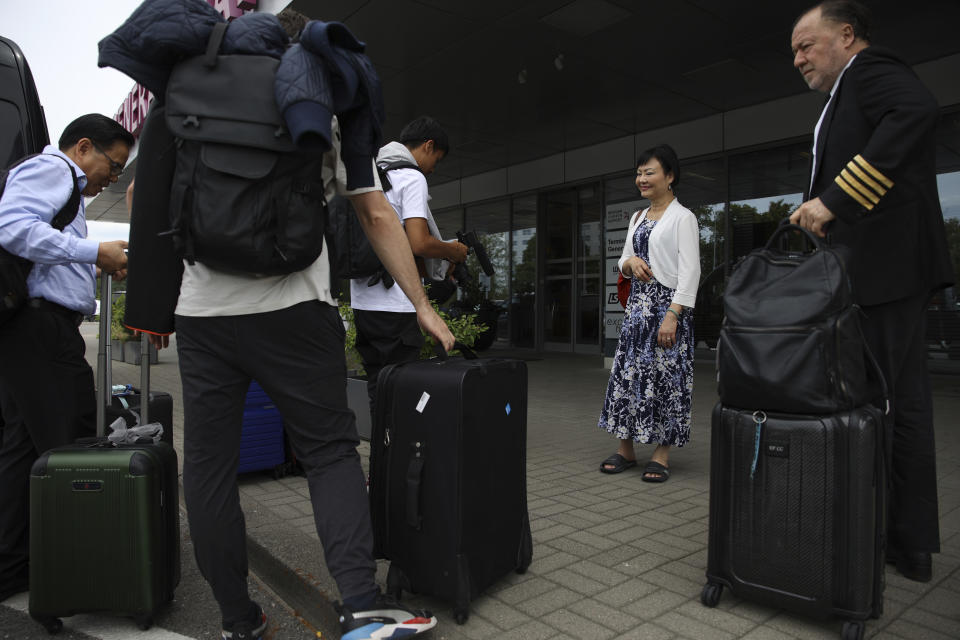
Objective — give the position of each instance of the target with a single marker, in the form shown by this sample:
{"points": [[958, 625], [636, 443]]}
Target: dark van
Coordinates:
{"points": [[23, 127]]}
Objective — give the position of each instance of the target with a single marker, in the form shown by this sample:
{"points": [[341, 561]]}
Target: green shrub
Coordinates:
{"points": [[464, 329]]}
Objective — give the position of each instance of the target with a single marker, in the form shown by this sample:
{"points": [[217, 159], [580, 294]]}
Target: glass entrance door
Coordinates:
{"points": [[571, 269]]}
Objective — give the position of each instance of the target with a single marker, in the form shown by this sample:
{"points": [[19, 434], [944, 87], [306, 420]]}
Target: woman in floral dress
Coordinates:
{"points": [[651, 383]]}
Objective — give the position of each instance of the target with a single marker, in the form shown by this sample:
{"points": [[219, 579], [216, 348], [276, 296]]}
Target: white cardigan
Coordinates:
{"points": [[674, 251]]}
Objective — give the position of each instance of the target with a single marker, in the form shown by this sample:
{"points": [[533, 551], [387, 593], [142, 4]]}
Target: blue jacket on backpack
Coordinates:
{"points": [[326, 74]]}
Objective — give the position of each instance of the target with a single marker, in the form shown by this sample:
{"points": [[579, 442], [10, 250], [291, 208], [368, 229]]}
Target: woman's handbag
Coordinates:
{"points": [[791, 338], [623, 290]]}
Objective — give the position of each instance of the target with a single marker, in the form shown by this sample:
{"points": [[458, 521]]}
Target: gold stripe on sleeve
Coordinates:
{"points": [[857, 171], [866, 204], [856, 184], [872, 171]]}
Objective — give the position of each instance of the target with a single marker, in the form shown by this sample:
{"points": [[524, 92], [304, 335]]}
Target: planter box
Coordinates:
{"points": [[359, 402], [116, 350], [131, 353]]}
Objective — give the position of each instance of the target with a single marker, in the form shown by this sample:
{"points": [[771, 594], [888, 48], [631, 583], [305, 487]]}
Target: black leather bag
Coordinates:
{"points": [[791, 338]]}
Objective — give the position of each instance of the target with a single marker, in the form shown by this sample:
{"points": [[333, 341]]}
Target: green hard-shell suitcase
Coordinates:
{"points": [[104, 523]]}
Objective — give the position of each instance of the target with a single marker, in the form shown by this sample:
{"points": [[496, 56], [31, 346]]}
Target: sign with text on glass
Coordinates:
{"points": [[613, 271], [611, 325], [618, 215], [612, 304]]}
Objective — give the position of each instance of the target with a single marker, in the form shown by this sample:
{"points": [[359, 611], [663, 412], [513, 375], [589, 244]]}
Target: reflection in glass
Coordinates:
{"points": [[589, 266], [524, 277], [559, 210]]}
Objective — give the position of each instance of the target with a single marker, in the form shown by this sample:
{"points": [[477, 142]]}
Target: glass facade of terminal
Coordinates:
{"points": [[555, 250]]}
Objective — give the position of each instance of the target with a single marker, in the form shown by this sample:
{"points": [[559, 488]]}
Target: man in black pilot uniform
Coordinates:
{"points": [[873, 188]]}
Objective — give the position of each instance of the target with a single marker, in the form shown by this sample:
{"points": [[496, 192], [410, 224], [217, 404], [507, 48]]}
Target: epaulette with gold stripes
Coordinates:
{"points": [[862, 182]]}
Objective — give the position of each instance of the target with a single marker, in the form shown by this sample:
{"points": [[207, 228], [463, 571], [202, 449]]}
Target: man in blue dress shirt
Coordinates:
{"points": [[46, 385]]}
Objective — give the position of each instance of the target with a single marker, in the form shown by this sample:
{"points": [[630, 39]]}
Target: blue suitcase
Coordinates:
{"points": [[261, 441]]}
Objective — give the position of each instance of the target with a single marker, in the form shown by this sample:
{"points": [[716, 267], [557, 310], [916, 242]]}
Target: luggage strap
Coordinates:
{"points": [[414, 477]]}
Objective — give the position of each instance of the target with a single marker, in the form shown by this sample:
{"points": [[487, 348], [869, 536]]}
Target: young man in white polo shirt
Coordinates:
{"points": [[386, 322]]}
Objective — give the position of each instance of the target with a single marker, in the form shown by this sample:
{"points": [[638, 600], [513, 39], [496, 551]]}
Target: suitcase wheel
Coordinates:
{"points": [[52, 625], [460, 615], [143, 622], [852, 630], [710, 596]]}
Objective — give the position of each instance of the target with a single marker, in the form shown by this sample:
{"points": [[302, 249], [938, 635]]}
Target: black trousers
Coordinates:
{"points": [[47, 399], [895, 332], [296, 354], [385, 337]]}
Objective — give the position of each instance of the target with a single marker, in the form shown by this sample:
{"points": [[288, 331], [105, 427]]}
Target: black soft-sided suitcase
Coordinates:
{"points": [[104, 521], [797, 513], [448, 487]]}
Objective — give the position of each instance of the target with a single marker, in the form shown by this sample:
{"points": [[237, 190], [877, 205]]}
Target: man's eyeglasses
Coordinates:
{"points": [[115, 167]]}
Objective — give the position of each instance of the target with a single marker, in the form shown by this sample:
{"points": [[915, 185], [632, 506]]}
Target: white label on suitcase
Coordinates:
{"points": [[424, 399]]}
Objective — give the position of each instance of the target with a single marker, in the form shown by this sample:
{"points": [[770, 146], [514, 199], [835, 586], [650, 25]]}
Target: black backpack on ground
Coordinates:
{"points": [[791, 338], [14, 269], [244, 197], [351, 255]]}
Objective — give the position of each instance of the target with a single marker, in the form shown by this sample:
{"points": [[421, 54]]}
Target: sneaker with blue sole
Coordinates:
{"points": [[385, 619]]}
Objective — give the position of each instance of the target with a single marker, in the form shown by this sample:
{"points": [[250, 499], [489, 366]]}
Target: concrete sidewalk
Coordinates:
{"points": [[614, 557]]}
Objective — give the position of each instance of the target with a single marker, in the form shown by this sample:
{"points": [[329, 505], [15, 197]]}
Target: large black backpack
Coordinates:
{"points": [[351, 255], [791, 338], [243, 197], [14, 269]]}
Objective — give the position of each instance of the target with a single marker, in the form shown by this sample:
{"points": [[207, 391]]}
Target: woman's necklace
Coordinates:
{"points": [[654, 213]]}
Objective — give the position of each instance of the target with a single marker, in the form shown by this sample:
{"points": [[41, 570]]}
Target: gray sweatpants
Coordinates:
{"points": [[296, 354]]}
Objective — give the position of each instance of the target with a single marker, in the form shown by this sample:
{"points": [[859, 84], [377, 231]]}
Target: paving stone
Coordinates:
{"points": [[806, 628], [547, 603], [594, 609], [598, 542], [691, 628], [945, 625], [766, 633], [500, 614], [578, 626], [551, 533], [578, 549], [913, 631], [944, 602], [551, 562], [576, 582], [533, 630], [647, 631], [717, 618], [625, 592], [604, 575], [525, 590], [654, 605], [642, 563], [476, 628]]}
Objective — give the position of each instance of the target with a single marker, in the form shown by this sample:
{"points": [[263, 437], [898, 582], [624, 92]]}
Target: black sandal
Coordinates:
{"points": [[655, 472], [618, 464]]}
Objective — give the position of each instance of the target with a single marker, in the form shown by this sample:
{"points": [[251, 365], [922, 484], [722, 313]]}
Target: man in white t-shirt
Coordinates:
{"points": [[385, 319], [285, 332]]}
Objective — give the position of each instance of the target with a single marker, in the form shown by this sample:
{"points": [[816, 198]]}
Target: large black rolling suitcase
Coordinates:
{"points": [[448, 487], [797, 514], [104, 521]]}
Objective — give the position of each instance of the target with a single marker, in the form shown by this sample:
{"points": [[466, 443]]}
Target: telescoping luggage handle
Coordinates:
{"points": [[105, 361]]}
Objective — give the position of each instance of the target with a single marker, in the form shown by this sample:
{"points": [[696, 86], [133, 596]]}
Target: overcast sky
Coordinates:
{"points": [[59, 40]]}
